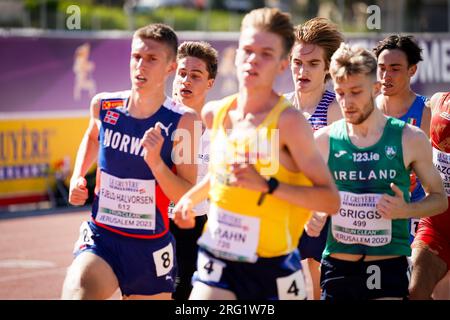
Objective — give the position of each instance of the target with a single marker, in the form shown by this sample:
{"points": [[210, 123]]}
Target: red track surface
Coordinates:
{"points": [[35, 253]]}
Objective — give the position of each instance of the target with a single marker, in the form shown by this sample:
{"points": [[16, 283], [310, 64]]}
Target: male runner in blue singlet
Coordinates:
{"points": [[127, 243], [398, 57]]}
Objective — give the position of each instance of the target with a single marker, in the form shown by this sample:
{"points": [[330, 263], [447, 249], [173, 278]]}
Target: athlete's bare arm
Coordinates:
{"points": [[426, 118], [184, 216], [417, 155], [200, 191], [297, 138], [86, 155], [174, 185], [322, 139], [318, 219], [208, 113]]}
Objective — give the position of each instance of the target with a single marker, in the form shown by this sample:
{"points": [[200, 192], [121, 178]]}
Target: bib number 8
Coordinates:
{"points": [[163, 259], [166, 259]]}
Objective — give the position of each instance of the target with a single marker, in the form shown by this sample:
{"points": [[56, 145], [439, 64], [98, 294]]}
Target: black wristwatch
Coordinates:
{"points": [[272, 183]]}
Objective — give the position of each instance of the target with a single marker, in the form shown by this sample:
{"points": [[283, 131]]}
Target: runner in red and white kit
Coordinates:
{"points": [[431, 246]]}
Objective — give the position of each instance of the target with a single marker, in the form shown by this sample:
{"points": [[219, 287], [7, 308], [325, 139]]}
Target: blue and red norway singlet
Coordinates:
{"points": [[128, 199]]}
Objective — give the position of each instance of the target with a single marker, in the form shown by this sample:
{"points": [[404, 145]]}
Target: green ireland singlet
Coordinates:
{"points": [[362, 175]]}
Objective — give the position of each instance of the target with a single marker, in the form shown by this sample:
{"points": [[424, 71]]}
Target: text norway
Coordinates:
{"points": [[124, 142]]}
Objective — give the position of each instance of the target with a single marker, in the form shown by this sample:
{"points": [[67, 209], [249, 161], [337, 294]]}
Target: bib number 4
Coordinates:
{"points": [[209, 269], [292, 287]]}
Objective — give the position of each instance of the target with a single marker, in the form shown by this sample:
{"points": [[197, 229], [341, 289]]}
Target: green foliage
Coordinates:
{"points": [[99, 17], [191, 19]]}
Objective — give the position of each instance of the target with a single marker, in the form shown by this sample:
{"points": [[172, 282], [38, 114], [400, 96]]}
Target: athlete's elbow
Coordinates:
{"points": [[333, 203], [443, 203]]}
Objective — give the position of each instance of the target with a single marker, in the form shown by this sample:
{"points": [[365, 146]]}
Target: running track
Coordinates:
{"points": [[35, 252]]}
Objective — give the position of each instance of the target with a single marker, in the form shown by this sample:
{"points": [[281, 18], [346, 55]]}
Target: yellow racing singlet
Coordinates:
{"points": [[237, 228]]}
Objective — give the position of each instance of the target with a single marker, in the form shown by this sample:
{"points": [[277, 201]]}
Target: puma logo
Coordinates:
{"points": [[166, 129], [340, 153]]}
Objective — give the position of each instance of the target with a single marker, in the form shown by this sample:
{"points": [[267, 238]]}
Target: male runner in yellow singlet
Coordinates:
{"points": [[265, 176]]}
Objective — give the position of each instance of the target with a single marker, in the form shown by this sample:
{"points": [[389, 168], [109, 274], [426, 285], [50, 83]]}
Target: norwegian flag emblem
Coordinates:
{"points": [[111, 117]]}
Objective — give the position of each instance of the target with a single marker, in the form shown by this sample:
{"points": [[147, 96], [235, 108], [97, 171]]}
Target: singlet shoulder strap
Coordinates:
{"points": [[271, 121], [219, 116]]}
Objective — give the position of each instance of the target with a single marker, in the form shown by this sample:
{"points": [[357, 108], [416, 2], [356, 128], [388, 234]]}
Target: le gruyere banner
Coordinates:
{"points": [[33, 152]]}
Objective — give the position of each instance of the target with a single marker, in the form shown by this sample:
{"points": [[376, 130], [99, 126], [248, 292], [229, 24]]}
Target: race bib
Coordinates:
{"points": [[163, 259], [126, 203], [441, 161], [292, 287], [358, 222], [209, 269], [413, 225], [85, 239], [230, 235]]}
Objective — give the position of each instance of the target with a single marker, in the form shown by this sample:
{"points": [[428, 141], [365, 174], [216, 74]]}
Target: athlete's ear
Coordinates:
{"points": [[210, 83], [412, 70], [236, 53], [284, 64], [172, 67], [376, 88]]}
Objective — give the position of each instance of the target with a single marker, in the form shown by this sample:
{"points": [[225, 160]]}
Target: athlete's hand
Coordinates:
{"points": [[78, 192], [152, 142], [393, 207], [184, 214], [315, 224], [244, 175]]}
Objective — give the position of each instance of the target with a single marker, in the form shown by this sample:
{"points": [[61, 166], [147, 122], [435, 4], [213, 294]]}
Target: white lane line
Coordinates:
{"points": [[26, 264], [35, 274]]}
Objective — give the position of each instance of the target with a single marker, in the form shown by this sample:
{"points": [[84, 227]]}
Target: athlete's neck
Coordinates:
{"points": [[197, 106], [397, 105], [369, 131], [256, 102], [143, 105], [307, 101]]}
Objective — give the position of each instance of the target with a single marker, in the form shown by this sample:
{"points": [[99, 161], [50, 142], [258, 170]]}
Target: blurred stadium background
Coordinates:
{"points": [[55, 55]]}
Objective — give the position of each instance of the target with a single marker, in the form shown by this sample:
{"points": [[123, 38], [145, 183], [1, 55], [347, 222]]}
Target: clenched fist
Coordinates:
{"points": [[152, 142], [78, 192], [184, 214], [315, 224]]}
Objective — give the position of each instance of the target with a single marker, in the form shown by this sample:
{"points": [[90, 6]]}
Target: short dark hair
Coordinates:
{"points": [[407, 44], [201, 50], [162, 33]]}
